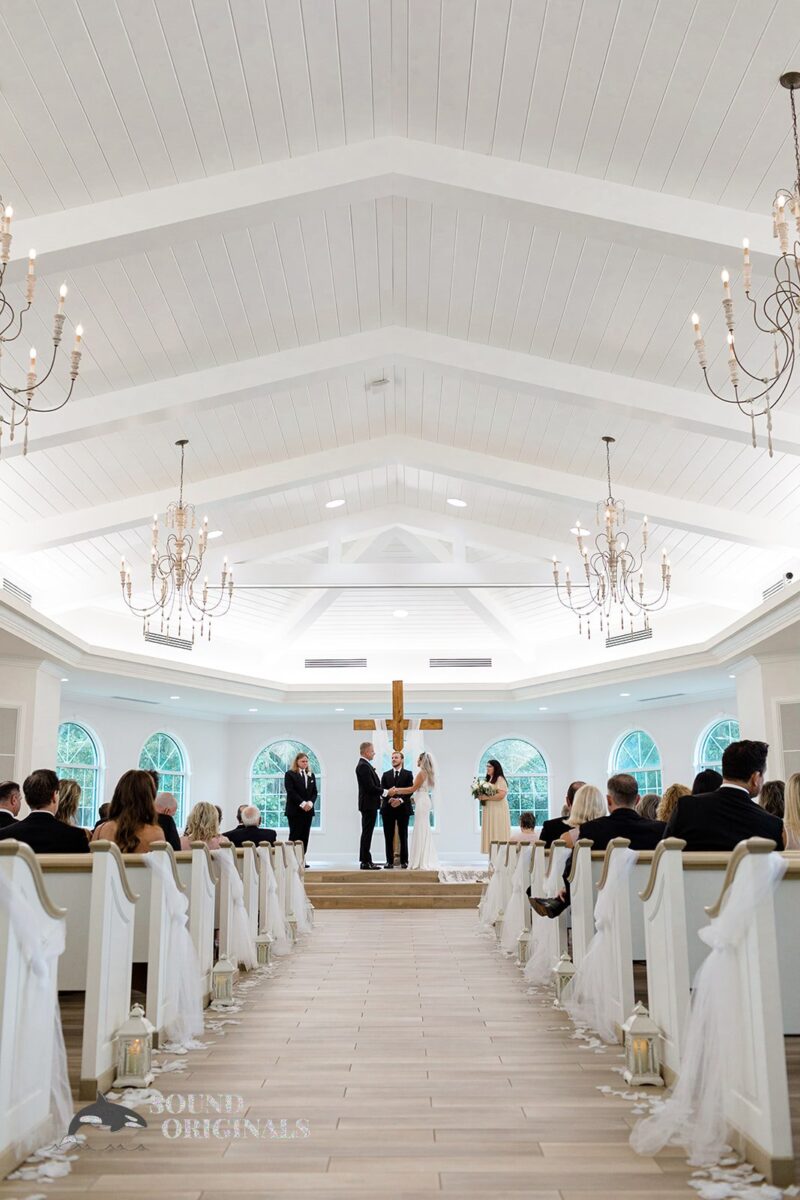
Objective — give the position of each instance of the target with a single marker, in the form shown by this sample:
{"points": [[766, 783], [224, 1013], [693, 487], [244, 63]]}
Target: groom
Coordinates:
{"points": [[370, 794], [396, 810]]}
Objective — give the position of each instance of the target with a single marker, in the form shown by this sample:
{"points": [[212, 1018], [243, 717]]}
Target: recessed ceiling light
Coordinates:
{"points": [[65, 680], [338, 710], [729, 677], [624, 693], [214, 533], [174, 697], [458, 708], [400, 612], [252, 710], [542, 708], [334, 503], [456, 503]]}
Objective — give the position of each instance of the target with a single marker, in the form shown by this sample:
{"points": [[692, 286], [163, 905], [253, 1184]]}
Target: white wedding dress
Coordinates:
{"points": [[422, 855]]}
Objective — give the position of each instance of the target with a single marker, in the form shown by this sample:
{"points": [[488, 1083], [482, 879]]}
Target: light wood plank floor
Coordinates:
{"points": [[421, 1066]]}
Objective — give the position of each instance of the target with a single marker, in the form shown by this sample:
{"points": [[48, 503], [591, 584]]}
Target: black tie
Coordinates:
{"points": [[396, 776]]}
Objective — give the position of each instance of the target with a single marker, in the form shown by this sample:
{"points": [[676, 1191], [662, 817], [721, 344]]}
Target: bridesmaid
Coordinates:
{"points": [[496, 824]]}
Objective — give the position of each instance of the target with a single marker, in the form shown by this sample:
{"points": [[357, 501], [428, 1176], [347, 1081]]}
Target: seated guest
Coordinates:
{"points": [[40, 830], [132, 822], [248, 828], [102, 814], [202, 826], [166, 807], [791, 816], [219, 814], [587, 805], [69, 797], [239, 812], [527, 828], [556, 827], [647, 806], [670, 799], [719, 820], [623, 821], [772, 797], [706, 781], [10, 801]]}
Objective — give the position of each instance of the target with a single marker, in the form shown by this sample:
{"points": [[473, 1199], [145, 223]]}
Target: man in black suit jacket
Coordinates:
{"points": [[166, 807], [40, 830], [556, 827], [719, 820], [248, 829], [301, 795], [370, 794], [396, 810], [623, 821], [10, 801]]}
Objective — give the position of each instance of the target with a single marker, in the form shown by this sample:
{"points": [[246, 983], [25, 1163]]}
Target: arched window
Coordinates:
{"points": [[637, 755], [266, 781], [163, 754], [526, 773], [78, 758], [716, 741]]}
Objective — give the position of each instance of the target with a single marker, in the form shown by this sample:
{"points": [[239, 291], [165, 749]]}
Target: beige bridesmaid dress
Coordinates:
{"points": [[496, 823]]}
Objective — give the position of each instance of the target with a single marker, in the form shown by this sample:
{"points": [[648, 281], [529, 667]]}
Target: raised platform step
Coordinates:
{"points": [[388, 889]]}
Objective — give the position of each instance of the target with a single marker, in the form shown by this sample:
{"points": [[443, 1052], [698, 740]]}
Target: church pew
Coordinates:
{"points": [[507, 867], [279, 868], [548, 939], [224, 903], [101, 914], [248, 870], [583, 878], [198, 876], [151, 934], [27, 1027]]}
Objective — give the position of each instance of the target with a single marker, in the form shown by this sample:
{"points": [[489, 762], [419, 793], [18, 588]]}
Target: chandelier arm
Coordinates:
{"points": [[55, 407], [15, 316]]}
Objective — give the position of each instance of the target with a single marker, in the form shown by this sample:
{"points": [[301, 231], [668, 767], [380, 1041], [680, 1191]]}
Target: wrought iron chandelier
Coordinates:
{"points": [[174, 574], [614, 572], [17, 401], [756, 395]]}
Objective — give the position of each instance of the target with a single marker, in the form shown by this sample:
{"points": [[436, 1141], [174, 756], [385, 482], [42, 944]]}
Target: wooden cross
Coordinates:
{"points": [[398, 724]]}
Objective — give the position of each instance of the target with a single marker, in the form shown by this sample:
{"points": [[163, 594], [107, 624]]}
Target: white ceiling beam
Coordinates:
{"points": [[453, 462], [502, 626], [391, 166], [363, 354]]}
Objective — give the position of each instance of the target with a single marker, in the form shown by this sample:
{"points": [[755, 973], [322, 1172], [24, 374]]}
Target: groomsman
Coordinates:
{"points": [[396, 810], [300, 784], [370, 794]]}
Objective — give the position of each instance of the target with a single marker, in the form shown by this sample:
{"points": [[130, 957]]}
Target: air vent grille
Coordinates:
{"points": [[626, 639], [134, 700], [334, 664], [773, 589], [162, 639], [669, 696], [16, 591], [435, 663]]}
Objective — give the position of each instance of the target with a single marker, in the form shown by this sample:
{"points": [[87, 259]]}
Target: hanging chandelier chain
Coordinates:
{"points": [[796, 144]]}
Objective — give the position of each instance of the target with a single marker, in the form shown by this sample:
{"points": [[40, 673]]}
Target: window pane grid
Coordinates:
{"points": [[77, 758], [526, 775], [163, 754], [638, 755], [716, 742], [267, 792]]}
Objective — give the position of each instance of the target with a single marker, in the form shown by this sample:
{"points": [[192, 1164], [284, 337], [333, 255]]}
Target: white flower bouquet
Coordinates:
{"points": [[482, 790]]}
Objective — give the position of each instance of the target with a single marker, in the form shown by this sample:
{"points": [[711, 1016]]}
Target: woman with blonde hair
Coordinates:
{"points": [[202, 825], [670, 798], [588, 805], [69, 797], [791, 812]]}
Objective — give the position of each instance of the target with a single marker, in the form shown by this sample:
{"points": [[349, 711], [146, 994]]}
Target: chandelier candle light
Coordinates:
{"points": [[18, 400], [175, 570], [614, 573], [776, 315]]}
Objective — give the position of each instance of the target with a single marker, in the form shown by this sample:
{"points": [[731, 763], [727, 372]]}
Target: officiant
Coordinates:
{"points": [[396, 810]]}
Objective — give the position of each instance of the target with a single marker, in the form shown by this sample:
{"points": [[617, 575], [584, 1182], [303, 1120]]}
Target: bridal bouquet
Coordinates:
{"points": [[482, 790]]}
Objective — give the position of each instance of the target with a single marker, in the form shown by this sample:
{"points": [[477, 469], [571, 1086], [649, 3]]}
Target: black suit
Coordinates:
{"points": [[6, 818], [397, 817], [299, 790], [369, 801], [720, 820], [250, 833], [170, 829], [45, 835], [553, 829], [623, 823]]}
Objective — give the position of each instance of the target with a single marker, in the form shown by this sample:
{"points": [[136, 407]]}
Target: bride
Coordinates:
{"points": [[422, 856]]}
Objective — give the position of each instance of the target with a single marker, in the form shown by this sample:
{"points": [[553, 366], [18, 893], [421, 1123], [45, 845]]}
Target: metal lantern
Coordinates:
{"points": [[293, 928], [222, 980], [642, 1049], [134, 1051], [524, 947], [563, 972], [264, 949]]}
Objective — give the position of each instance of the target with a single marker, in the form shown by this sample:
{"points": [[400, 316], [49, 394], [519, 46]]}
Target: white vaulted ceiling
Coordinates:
{"points": [[507, 208]]}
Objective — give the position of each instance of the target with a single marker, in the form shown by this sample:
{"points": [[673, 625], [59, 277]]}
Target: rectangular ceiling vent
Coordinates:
{"points": [[774, 588], [434, 663], [669, 696], [334, 664], [163, 639], [134, 700], [16, 591], [625, 639]]}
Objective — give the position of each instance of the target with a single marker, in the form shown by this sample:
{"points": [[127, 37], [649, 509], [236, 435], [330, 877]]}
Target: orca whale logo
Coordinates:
{"points": [[104, 1113]]}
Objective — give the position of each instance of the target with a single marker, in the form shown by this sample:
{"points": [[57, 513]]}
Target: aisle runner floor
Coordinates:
{"points": [[410, 1049]]}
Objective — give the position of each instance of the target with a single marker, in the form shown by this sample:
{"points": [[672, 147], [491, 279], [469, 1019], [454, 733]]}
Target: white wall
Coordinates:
{"points": [[220, 754]]}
